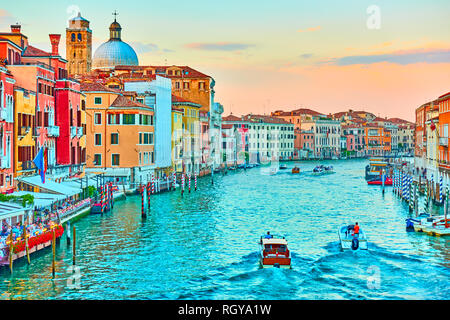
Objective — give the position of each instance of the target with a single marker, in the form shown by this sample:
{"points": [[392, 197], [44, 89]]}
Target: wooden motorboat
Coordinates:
{"points": [[296, 170], [352, 242], [378, 182], [274, 252]]}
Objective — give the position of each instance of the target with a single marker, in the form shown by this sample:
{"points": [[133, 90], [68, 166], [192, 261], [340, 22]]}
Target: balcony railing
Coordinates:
{"points": [[27, 165], [53, 131], [79, 132], [73, 132], [443, 141]]}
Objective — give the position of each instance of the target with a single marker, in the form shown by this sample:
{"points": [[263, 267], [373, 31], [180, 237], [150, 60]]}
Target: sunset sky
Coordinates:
{"points": [[270, 55]]}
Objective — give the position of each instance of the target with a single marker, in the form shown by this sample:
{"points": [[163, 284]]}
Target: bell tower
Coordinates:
{"points": [[79, 46]]}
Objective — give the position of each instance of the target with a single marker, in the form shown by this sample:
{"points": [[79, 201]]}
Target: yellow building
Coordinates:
{"points": [[177, 138], [191, 153], [119, 135], [24, 147]]}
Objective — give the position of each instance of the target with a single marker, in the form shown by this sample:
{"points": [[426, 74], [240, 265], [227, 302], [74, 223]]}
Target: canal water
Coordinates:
{"points": [[204, 245]]}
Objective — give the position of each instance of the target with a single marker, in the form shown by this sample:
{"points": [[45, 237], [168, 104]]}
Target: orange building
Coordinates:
{"points": [[297, 116], [377, 140], [444, 121], [119, 135]]}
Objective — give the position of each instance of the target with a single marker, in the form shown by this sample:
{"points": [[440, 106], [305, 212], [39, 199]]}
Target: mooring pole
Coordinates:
{"points": [[25, 236], [74, 246], [53, 252], [68, 232], [11, 253]]}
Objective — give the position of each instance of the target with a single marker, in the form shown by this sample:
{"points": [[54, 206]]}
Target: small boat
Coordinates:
{"points": [[283, 166], [296, 170], [349, 241], [376, 167], [319, 170], [274, 252], [433, 225], [378, 182]]}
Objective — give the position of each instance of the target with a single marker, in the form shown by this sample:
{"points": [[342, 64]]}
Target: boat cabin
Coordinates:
{"points": [[275, 247]]}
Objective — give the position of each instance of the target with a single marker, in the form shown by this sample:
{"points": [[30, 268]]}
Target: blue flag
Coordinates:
{"points": [[39, 162]]}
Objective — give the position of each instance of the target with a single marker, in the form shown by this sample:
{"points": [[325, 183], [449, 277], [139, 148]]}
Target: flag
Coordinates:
{"points": [[40, 161]]}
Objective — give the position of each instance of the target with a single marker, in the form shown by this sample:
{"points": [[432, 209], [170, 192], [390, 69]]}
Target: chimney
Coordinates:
{"points": [[15, 28], [54, 40]]}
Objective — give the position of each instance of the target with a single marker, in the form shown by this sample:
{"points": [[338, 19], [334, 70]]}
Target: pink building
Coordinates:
{"points": [[6, 130]]}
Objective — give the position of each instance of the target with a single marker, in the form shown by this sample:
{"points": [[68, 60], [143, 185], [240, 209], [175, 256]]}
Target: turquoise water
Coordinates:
{"points": [[204, 245]]}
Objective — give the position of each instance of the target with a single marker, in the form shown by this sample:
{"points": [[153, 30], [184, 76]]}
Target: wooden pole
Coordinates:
{"points": [[53, 253], [11, 252], [25, 236], [68, 233], [74, 243]]}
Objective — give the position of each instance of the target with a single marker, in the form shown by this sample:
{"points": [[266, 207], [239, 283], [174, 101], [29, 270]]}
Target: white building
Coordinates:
{"points": [[158, 94], [327, 138]]}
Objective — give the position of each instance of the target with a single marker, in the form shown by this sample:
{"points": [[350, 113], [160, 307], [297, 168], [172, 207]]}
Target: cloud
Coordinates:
{"points": [[219, 46], [312, 29], [400, 57], [306, 55]]}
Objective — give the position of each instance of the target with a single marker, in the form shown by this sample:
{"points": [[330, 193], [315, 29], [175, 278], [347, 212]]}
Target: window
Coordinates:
{"points": [[201, 85], [98, 100], [113, 118], [177, 85], [129, 119], [115, 159], [79, 37], [186, 85], [98, 139], [97, 118], [97, 159], [114, 138], [72, 37]]}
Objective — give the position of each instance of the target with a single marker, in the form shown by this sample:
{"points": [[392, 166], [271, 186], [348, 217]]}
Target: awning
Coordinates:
{"points": [[42, 199], [51, 186], [10, 209]]}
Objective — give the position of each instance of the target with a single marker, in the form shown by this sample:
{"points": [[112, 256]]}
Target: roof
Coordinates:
{"points": [[94, 86], [31, 51], [300, 111], [444, 95], [10, 209], [399, 121], [58, 188], [180, 101], [231, 118], [122, 101], [274, 241], [187, 72]]}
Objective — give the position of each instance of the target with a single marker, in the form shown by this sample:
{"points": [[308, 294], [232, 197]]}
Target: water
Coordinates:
{"points": [[204, 245]]}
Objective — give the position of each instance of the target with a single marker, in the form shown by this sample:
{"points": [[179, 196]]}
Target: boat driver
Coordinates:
{"points": [[356, 230], [268, 235]]}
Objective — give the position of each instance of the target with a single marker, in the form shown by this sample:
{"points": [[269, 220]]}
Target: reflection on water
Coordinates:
{"points": [[204, 245]]}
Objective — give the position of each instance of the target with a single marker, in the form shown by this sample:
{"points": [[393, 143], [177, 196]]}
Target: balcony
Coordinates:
{"points": [[26, 165], [79, 132], [443, 141], [73, 132], [53, 131]]}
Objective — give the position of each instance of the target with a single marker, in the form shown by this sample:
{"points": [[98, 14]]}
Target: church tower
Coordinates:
{"points": [[79, 46]]}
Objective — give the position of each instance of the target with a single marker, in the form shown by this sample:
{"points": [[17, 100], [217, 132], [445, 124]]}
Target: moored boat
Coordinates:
{"points": [[274, 252], [378, 182], [283, 167], [432, 225], [349, 241], [376, 167]]}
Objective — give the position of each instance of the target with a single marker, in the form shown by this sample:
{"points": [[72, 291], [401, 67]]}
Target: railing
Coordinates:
{"points": [[27, 165], [73, 132], [443, 141], [53, 131], [23, 131]]}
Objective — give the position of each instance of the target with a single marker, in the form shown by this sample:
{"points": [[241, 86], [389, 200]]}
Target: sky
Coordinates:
{"points": [[386, 57]]}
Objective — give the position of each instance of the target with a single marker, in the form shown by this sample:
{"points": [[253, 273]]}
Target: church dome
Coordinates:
{"points": [[114, 52]]}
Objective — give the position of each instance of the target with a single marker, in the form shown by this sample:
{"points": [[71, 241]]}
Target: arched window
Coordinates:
{"points": [[79, 37], [73, 37]]}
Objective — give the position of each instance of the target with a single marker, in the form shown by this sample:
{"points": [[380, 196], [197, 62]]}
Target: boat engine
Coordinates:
{"points": [[355, 244], [276, 265]]}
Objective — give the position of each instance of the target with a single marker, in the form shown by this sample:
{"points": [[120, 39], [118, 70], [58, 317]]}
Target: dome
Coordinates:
{"points": [[114, 53]]}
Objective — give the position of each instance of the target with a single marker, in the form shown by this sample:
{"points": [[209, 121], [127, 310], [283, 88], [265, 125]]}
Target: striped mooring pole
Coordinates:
{"points": [[425, 209], [440, 189], [143, 213], [403, 186], [101, 198], [153, 183], [189, 182], [195, 181], [148, 196], [432, 188], [182, 183], [174, 180], [410, 196]]}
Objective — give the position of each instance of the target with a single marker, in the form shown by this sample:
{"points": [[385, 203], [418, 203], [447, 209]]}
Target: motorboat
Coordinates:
{"points": [[378, 182], [376, 167], [274, 252], [283, 167], [296, 170], [349, 241], [434, 225], [319, 170]]}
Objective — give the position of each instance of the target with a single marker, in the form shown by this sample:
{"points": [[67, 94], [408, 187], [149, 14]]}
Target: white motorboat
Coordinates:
{"points": [[352, 242]]}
